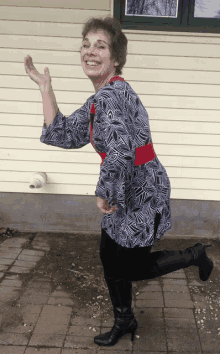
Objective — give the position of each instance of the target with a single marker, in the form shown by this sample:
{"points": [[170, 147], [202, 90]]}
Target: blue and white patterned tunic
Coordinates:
{"points": [[120, 125]]}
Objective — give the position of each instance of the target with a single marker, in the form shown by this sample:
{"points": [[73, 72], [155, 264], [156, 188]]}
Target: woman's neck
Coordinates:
{"points": [[101, 82]]}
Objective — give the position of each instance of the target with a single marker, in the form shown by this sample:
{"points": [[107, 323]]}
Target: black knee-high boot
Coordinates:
{"points": [[165, 262], [120, 291], [121, 296]]}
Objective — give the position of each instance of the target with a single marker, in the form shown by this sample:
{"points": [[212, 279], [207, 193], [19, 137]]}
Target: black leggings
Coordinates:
{"points": [[123, 265], [126, 263]]}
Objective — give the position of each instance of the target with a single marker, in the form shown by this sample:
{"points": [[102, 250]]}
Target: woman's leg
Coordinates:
{"points": [[140, 264], [133, 264], [121, 295], [120, 290], [121, 266]]}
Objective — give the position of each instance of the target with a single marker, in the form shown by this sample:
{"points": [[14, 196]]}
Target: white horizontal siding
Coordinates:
{"points": [[176, 76], [64, 5], [53, 167]]}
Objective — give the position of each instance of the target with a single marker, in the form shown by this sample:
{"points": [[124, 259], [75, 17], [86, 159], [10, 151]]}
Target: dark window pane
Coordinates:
{"points": [[152, 8], [207, 8]]}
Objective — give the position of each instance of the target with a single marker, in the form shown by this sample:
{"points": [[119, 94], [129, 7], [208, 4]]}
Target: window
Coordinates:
{"points": [[169, 15]]}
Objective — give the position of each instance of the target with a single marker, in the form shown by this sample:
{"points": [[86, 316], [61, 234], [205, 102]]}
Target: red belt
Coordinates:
{"points": [[143, 154]]}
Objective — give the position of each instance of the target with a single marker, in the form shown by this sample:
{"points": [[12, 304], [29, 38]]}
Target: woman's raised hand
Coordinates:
{"points": [[42, 80]]}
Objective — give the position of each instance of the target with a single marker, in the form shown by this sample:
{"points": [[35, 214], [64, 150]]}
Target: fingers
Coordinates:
{"points": [[28, 63], [104, 206], [108, 211], [111, 211]]}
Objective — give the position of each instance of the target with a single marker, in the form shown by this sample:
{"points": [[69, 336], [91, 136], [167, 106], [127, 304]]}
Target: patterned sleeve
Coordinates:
{"points": [[71, 132], [118, 166]]}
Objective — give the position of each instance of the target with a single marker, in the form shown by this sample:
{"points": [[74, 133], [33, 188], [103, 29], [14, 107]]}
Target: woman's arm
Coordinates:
{"points": [[49, 104], [66, 132]]}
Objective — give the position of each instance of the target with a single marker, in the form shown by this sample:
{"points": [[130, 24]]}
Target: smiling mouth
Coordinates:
{"points": [[92, 64]]}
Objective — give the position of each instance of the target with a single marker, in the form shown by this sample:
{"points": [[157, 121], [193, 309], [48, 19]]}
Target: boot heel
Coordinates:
{"points": [[205, 272], [132, 335]]}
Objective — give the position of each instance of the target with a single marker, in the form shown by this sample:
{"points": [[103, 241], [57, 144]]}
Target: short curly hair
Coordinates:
{"points": [[118, 45]]}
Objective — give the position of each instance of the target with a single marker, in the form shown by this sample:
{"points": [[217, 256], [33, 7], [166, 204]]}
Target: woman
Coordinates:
{"points": [[133, 191]]}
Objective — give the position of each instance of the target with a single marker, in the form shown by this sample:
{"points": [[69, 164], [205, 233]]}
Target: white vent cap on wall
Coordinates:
{"points": [[38, 180]]}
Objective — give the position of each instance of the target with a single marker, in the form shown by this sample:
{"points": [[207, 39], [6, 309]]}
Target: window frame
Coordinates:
{"points": [[185, 22]]}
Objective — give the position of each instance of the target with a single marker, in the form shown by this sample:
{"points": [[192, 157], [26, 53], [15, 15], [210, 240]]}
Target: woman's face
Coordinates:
{"points": [[95, 56]]}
